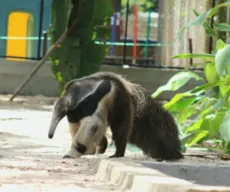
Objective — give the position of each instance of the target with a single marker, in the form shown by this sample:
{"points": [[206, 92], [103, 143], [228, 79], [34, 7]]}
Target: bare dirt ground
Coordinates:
{"points": [[30, 159]]}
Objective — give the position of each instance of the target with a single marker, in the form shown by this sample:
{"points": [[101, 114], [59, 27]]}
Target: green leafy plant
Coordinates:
{"points": [[203, 113], [143, 5], [79, 55]]}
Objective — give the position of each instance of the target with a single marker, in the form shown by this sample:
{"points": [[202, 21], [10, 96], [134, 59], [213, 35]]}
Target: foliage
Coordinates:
{"points": [[79, 55], [203, 113], [143, 5]]}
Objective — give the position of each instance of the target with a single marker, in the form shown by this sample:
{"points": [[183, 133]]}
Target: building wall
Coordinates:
{"points": [[174, 15], [26, 6]]}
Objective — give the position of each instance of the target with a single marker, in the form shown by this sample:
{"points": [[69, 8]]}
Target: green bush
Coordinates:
{"points": [[203, 113], [79, 55]]}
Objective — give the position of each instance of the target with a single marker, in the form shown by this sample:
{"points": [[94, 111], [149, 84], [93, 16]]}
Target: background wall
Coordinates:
{"points": [[12, 73], [174, 15]]}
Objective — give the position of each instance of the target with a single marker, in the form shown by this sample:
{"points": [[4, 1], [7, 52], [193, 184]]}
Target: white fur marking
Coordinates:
{"points": [[73, 152], [73, 128]]}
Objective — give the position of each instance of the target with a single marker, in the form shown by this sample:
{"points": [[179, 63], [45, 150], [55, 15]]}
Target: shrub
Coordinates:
{"points": [[203, 113]]}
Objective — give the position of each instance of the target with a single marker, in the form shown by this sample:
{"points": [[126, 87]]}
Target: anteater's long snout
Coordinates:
{"points": [[59, 111]]}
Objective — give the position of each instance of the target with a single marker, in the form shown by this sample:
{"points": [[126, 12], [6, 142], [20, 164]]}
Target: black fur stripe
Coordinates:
{"points": [[89, 105], [80, 148]]}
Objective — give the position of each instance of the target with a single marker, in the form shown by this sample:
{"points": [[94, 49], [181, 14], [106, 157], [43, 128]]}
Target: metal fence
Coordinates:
{"points": [[133, 41], [144, 39]]}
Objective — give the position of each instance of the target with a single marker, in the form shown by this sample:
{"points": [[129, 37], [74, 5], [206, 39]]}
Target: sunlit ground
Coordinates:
{"points": [[28, 157]]}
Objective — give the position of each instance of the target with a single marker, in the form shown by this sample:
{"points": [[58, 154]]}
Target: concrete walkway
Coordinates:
{"points": [[29, 161]]}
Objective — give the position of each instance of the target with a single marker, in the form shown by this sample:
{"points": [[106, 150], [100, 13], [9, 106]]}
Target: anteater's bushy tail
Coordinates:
{"points": [[154, 129]]}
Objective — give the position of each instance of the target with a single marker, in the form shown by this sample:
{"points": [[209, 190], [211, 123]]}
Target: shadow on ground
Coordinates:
{"points": [[204, 174]]}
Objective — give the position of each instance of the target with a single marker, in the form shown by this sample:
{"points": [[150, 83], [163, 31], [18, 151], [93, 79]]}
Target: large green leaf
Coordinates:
{"points": [[210, 73], [206, 102], [176, 82], [222, 26], [182, 97], [194, 126], [197, 137], [208, 57], [200, 20], [222, 60], [211, 123], [185, 114], [213, 11], [219, 104], [225, 127], [225, 86], [208, 29], [206, 86], [220, 44], [187, 137], [177, 105]]}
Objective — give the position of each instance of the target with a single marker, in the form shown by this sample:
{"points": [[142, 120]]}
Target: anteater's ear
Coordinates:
{"points": [[87, 90], [101, 89]]}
